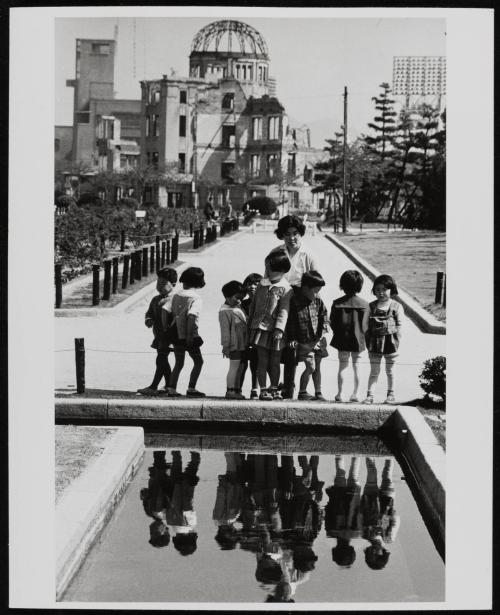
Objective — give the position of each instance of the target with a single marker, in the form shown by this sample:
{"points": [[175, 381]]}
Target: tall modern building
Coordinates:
{"points": [[221, 132]]}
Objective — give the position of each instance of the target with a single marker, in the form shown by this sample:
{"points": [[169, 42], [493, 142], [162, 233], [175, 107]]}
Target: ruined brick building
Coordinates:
{"points": [[219, 132]]}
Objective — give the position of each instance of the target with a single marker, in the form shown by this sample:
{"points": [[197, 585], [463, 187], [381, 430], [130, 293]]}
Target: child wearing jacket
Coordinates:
{"points": [[233, 331], [267, 321]]}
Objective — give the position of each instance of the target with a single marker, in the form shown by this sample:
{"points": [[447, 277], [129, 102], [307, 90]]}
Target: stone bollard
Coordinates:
{"points": [[106, 294], [80, 364], [58, 283], [95, 284]]}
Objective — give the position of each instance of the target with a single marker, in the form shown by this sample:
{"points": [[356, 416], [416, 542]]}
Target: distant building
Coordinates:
{"points": [[221, 132], [94, 105]]}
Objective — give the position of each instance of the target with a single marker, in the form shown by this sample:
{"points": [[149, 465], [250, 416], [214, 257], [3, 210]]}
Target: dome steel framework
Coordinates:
{"points": [[249, 39]]}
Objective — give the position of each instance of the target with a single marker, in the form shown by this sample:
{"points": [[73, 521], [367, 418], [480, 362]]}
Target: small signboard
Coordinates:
{"points": [[140, 213]]}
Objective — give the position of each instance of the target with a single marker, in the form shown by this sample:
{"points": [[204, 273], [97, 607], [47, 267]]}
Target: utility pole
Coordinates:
{"points": [[344, 178]]}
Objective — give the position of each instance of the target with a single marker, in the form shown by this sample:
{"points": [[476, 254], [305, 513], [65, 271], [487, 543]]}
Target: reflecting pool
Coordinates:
{"points": [[199, 525]]}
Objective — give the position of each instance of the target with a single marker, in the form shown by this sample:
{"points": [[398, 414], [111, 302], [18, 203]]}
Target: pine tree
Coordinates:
{"points": [[383, 124]]}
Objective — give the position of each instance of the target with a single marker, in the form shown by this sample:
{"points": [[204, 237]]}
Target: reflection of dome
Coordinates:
{"points": [[230, 36]]}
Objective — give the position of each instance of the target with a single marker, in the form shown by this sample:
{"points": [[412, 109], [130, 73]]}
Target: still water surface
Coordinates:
{"points": [[235, 526]]}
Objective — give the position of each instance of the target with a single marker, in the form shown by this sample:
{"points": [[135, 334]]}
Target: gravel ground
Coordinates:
{"points": [[75, 448]]}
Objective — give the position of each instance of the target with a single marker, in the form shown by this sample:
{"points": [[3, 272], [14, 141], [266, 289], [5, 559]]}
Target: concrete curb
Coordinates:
{"points": [[425, 321], [87, 504], [356, 417], [426, 459]]}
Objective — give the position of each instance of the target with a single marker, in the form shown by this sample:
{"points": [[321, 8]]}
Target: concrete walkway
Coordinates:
{"points": [[118, 353]]}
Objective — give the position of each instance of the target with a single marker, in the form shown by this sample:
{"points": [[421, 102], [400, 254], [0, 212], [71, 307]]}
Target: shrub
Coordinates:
{"points": [[433, 377]]}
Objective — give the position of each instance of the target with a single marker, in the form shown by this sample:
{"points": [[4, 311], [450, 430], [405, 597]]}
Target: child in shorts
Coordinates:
{"points": [[167, 279], [233, 331], [349, 322], [250, 355], [184, 308], [267, 321], [306, 327]]}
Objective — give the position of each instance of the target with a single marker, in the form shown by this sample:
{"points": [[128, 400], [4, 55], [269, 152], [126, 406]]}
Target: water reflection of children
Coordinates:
{"points": [[380, 521], [228, 501], [180, 515], [343, 519], [156, 499]]}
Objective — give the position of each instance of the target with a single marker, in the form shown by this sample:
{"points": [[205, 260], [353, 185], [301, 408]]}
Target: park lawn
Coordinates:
{"points": [[412, 258]]}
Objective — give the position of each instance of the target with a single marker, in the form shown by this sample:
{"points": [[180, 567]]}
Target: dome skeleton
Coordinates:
{"points": [[246, 35]]}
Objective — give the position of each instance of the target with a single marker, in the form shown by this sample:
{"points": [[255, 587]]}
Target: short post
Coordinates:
{"points": [[126, 264], [439, 287], [80, 364], [115, 275], [163, 252], [95, 284], [122, 241], [133, 267], [145, 269], [152, 259], [58, 282], [169, 247], [107, 280], [201, 236], [138, 265], [190, 229], [196, 239], [157, 246], [175, 247], [360, 227], [444, 292]]}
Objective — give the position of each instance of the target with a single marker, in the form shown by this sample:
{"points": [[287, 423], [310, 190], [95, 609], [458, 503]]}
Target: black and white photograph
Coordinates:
{"points": [[257, 236]]}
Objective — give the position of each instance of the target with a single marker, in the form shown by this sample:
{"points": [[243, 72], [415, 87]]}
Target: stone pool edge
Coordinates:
{"points": [[87, 504], [210, 411]]}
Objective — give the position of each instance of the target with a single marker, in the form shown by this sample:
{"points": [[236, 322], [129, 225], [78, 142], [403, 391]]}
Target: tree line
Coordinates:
{"points": [[396, 173]]}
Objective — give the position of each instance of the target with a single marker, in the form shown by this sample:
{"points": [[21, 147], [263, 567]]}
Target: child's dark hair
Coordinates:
{"points": [[167, 273], [193, 277], [185, 543], [288, 222], [312, 279], [374, 559], [252, 278], [344, 555], [233, 288], [351, 282], [159, 534], [268, 570], [387, 281], [278, 261], [227, 537]]}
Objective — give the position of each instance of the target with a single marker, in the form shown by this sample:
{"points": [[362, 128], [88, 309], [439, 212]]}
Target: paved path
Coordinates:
{"points": [[118, 355]]}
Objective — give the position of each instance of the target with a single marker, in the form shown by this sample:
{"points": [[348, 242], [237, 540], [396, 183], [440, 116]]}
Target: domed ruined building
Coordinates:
{"points": [[218, 133]]}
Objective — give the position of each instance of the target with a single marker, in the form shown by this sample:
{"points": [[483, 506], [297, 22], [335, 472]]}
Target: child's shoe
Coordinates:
{"points": [[390, 399], [319, 396], [354, 399], [254, 394], [265, 395], [339, 398], [147, 391], [234, 395], [171, 392], [194, 393], [276, 393], [305, 396], [369, 399]]}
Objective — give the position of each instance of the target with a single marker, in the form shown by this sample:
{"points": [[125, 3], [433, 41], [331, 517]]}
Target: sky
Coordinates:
{"points": [[311, 58]]}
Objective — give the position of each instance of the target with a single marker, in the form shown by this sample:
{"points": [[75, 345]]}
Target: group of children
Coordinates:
{"points": [[264, 321]]}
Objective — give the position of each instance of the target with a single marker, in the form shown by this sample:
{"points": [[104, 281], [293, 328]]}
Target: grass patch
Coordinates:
{"points": [[75, 448], [412, 258]]}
